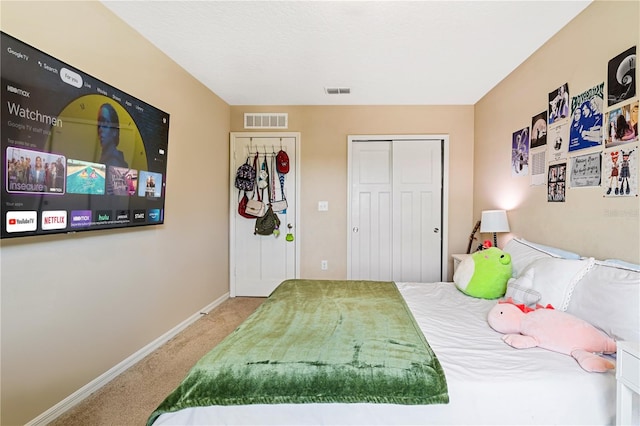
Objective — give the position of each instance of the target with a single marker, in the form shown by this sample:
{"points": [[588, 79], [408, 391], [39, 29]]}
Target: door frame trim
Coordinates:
{"points": [[444, 268], [233, 199]]}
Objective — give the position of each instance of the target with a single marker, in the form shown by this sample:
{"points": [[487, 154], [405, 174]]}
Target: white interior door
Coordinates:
{"points": [[396, 226], [258, 263], [371, 211], [417, 207]]}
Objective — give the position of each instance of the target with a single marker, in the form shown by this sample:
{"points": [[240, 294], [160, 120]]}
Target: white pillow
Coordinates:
{"points": [[521, 291], [524, 252], [608, 297], [556, 278]]}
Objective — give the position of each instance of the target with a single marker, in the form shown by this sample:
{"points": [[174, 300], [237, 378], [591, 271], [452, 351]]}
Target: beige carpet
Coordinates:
{"points": [[130, 398]]}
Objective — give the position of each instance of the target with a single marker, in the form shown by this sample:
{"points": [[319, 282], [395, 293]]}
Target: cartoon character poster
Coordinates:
{"points": [[559, 104], [556, 183], [620, 172], [539, 130], [621, 125], [621, 77], [520, 152], [558, 141], [586, 119]]}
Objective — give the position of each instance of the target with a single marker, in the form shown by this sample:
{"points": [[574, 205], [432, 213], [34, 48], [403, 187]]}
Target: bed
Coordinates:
{"points": [[460, 371]]}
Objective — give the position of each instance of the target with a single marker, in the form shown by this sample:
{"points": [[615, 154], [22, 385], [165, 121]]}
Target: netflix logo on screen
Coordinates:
{"points": [[54, 219], [22, 221]]}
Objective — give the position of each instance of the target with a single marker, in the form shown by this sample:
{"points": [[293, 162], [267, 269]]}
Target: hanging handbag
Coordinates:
{"points": [[279, 206], [242, 207], [256, 208]]}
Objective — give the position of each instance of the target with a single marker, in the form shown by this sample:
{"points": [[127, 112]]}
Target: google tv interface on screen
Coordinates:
{"points": [[77, 153]]}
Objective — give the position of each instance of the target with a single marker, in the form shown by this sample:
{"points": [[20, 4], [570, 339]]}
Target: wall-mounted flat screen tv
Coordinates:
{"points": [[77, 153]]}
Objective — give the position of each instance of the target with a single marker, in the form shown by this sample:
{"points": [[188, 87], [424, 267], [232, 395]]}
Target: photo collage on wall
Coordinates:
{"points": [[581, 141]]}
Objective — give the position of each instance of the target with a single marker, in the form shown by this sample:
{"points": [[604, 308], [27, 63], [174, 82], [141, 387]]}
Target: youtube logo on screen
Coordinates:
{"points": [[22, 221]]}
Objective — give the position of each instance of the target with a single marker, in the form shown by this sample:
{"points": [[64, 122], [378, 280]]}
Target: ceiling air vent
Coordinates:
{"points": [[337, 90], [278, 120]]}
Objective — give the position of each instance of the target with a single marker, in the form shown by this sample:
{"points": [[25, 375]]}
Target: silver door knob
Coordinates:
{"points": [[355, 229]]}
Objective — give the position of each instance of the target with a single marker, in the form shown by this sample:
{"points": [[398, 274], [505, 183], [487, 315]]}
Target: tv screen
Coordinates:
{"points": [[77, 153]]}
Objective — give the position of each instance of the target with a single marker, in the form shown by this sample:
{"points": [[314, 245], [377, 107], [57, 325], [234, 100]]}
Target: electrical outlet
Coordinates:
{"points": [[324, 265], [323, 206]]}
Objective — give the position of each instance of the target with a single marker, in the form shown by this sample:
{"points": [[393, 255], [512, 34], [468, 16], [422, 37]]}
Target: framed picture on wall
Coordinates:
{"points": [[520, 152], [559, 104], [586, 119], [556, 182], [620, 171], [558, 136], [621, 125], [539, 130], [585, 170], [621, 77]]}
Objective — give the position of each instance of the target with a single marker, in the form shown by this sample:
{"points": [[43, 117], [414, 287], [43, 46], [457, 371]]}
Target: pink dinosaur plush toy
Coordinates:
{"points": [[553, 330]]}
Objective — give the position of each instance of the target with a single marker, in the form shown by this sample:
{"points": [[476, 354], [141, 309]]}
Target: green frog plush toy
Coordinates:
{"points": [[484, 274]]}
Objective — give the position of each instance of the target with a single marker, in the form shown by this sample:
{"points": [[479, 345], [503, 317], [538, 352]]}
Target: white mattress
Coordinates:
{"points": [[489, 382]]}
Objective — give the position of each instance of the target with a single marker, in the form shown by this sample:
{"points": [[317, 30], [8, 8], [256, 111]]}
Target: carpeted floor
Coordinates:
{"points": [[130, 398]]}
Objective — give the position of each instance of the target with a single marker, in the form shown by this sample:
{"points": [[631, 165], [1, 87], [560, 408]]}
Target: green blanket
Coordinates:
{"points": [[318, 341]]}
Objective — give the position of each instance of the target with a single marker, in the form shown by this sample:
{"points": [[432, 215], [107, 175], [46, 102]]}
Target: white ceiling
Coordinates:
{"points": [[386, 52]]}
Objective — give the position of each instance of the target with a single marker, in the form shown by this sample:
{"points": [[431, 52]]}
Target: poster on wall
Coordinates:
{"points": [[556, 183], [520, 152], [539, 130], [538, 166], [559, 103], [621, 77], [586, 119], [558, 141], [620, 171], [621, 125], [585, 170]]}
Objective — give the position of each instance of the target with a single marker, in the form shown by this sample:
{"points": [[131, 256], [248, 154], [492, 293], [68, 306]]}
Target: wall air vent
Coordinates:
{"points": [[276, 120], [337, 90]]}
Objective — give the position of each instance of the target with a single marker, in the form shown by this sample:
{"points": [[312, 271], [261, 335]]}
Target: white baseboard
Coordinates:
{"points": [[91, 387]]}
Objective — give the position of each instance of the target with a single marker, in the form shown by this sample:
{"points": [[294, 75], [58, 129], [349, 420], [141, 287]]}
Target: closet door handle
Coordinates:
{"points": [[355, 229], [436, 230]]}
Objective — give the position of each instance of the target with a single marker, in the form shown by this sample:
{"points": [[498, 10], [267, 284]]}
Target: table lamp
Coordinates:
{"points": [[494, 221]]}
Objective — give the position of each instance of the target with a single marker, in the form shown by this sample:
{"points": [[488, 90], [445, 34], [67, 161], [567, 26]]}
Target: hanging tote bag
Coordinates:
{"points": [[242, 207], [256, 208]]}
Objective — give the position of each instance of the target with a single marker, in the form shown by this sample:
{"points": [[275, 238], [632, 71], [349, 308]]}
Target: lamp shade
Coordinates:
{"points": [[494, 221]]}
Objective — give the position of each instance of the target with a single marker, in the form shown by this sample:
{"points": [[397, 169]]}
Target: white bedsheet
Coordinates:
{"points": [[489, 382]]}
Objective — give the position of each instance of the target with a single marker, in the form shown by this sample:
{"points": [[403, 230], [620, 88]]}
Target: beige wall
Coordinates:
{"points": [[586, 222], [74, 306], [324, 131]]}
